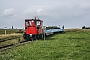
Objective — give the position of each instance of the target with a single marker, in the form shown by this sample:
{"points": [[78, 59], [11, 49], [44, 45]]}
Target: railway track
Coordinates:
{"points": [[8, 45], [2, 48], [4, 44], [20, 42], [2, 40]]}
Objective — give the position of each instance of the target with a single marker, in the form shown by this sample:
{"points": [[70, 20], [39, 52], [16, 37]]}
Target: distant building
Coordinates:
{"points": [[12, 27]]}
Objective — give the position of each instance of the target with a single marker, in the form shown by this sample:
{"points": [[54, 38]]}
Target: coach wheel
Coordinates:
{"points": [[40, 36]]}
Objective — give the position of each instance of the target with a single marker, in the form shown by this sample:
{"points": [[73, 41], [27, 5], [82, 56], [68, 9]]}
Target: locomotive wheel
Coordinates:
{"points": [[38, 36], [34, 38]]}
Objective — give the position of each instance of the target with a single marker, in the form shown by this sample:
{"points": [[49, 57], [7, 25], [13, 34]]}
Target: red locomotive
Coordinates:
{"points": [[33, 29]]}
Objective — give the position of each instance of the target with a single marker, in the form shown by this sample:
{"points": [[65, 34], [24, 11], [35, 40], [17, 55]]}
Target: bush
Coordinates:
{"points": [[83, 27]]}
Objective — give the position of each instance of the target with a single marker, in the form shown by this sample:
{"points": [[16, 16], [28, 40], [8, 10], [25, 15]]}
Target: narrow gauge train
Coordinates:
{"points": [[34, 29]]}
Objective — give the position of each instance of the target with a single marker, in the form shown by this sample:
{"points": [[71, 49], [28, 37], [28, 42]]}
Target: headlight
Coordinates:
{"points": [[30, 35]]}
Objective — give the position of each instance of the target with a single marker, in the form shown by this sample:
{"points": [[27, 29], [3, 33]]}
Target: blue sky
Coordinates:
{"points": [[70, 13]]}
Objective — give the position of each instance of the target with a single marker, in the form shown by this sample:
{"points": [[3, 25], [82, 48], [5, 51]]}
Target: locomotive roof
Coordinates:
{"points": [[32, 19]]}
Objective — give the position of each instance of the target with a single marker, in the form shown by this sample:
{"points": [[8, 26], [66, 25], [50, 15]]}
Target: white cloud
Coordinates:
{"points": [[34, 11], [9, 12], [27, 12], [39, 6], [39, 10]]}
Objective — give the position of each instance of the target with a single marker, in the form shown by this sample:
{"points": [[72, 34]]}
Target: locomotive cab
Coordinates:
{"points": [[33, 29]]}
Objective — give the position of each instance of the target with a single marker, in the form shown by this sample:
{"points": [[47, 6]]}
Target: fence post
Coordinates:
{"points": [[19, 40]]}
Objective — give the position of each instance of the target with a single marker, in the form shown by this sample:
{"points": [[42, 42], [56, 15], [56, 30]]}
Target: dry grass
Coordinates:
{"points": [[12, 41], [9, 35]]}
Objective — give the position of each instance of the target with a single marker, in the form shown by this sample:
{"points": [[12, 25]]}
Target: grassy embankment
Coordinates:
{"points": [[10, 34], [72, 45]]}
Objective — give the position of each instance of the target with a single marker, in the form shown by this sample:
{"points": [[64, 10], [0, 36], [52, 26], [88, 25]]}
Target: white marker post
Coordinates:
{"points": [[5, 30], [44, 28], [44, 37]]}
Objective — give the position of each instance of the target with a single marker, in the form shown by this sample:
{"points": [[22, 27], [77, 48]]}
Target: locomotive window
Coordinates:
{"points": [[27, 23], [38, 22]]}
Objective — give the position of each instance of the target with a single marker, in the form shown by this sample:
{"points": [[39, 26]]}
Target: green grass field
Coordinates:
{"points": [[72, 45]]}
